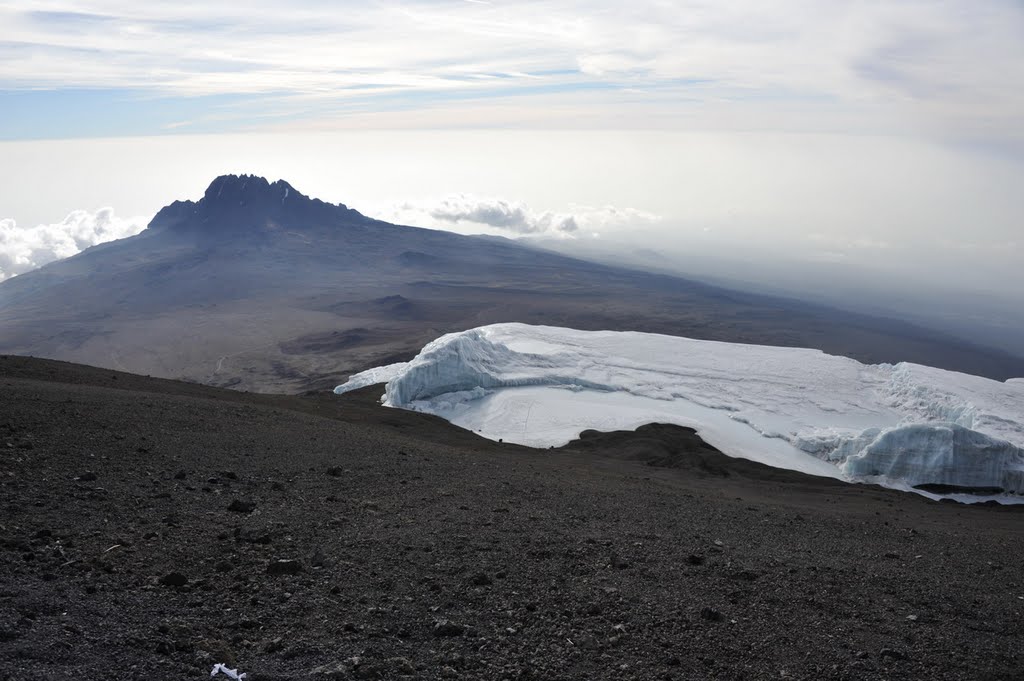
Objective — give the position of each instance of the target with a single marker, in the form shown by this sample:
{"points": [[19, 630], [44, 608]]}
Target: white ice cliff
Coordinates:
{"points": [[902, 426]]}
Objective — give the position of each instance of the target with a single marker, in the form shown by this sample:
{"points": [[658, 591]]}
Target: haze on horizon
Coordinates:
{"points": [[870, 153]]}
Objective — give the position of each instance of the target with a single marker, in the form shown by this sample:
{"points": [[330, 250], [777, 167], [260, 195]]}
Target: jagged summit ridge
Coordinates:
{"points": [[249, 187], [251, 203]]}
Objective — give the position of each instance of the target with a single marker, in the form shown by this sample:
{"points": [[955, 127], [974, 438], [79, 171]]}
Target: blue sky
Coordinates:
{"points": [[76, 113]]}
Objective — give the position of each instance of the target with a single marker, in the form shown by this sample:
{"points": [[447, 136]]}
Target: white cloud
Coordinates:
{"points": [[468, 213], [24, 249], [514, 217], [888, 65]]}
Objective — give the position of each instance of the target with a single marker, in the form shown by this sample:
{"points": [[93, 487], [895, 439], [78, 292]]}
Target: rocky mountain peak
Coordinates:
{"points": [[235, 204], [242, 188]]}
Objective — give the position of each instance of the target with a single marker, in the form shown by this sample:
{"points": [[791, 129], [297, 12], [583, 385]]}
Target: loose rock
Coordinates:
{"points": [[447, 629], [242, 506], [284, 567], [711, 615], [174, 579], [480, 579]]}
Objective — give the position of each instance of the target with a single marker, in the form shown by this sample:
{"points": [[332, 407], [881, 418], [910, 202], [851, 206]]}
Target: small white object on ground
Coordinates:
{"points": [[230, 673]]}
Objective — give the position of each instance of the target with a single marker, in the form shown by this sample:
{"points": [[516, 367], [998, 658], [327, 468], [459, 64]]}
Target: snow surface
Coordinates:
{"points": [[898, 425]]}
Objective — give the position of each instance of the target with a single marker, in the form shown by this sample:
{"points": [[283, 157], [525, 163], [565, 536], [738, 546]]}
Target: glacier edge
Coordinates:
{"points": [[899, 425]]}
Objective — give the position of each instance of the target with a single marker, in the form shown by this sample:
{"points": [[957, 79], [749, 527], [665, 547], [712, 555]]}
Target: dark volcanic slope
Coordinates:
{"points": [[421, 551], [258, 287]]}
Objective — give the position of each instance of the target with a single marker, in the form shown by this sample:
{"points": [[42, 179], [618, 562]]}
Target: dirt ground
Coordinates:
{"points": [[150, 529]]}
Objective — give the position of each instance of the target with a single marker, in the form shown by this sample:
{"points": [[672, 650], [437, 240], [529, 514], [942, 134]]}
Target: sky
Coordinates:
{"points": [[884, 135]]}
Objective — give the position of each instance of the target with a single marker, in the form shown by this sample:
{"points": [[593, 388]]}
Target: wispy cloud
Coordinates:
{"points": [[26, 248], [947, 67]]}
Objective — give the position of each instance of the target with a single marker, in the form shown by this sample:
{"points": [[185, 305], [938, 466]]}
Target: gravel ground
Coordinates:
{"points": [[150, 529]]}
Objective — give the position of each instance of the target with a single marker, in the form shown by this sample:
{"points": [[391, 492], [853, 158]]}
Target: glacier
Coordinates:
{"points": [[902, 425]]}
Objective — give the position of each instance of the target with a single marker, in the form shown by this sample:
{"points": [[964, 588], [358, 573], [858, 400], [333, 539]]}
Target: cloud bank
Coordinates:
{"points": [[23, 249], [515, 217], [26, 248], [472, 213]]}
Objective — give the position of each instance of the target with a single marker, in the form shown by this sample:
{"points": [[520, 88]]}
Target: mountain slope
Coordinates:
{"points": [[260, 287]]}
